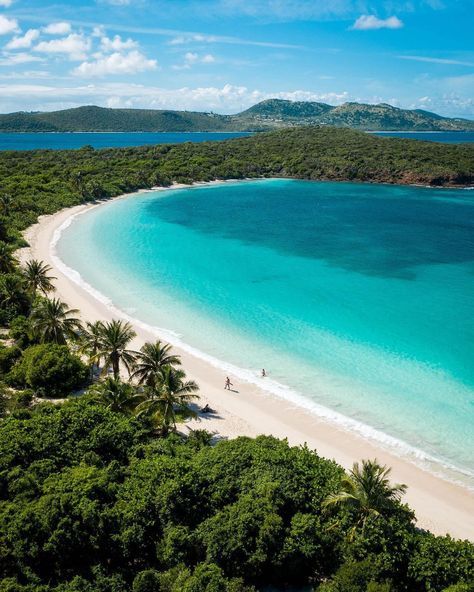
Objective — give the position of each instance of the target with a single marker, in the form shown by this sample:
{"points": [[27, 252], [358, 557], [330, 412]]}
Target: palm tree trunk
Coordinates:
{"points": [[116, 366]]}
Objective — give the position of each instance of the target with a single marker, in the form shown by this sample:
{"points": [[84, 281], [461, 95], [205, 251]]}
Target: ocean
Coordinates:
{"points": [[443, 137], [70, 141], [67, 141], [357, 299]]}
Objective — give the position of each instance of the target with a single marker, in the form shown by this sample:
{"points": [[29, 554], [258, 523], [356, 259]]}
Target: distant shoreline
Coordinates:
{"points": [[128, 132], [371, 131]]}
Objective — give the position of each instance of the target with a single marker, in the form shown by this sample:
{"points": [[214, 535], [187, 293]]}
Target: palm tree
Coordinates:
{"points": [[150, 360], [37, 278], [6, 202], [114, 339], [52, 321], [116, 395], [367, 490], [169, 398], [90, 342], [8, 261]]}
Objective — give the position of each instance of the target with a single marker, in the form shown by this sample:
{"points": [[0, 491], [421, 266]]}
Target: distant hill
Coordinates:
{"points": [[266, 115], [380, 117]]}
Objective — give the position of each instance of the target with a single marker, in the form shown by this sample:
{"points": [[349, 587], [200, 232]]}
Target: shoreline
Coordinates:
{"points": [[440, 505]]}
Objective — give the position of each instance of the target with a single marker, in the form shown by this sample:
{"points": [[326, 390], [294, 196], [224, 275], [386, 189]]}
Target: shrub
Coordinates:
{"points": [[356, 576], [146, 581], [20, 331], [440, 562], [21, 400], [14, 299], [50, 370], [8, 357]]}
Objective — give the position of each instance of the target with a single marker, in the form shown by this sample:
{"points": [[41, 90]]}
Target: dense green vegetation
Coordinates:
{"points": [[269, 114], [91, 501], [100, 492]]}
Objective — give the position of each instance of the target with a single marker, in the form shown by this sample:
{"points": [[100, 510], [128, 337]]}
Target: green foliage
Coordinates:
{"points": [[20, 331], [367, 491], [439, 562], [91, 501], [50, 370], [53, 322], [113, 339], [36, 277], [8, 357], [115, 395], [3, 400], [14, 298], [358, 576], [168, 399], [20, 400], [460, 588], [147, 581]]}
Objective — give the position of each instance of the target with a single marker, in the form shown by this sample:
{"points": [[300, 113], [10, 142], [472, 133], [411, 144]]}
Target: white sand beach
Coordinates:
{"points": [[440, 506]]}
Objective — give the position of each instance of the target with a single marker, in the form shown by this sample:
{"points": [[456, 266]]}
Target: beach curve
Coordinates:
{"points": [[440, 506]]}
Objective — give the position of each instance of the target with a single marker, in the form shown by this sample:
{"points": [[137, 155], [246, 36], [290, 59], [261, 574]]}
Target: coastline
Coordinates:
{"points": [[441, 506]]}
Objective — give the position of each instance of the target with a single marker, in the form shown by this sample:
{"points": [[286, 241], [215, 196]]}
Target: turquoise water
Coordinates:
{"points": [[70, 141], [359, 298]]}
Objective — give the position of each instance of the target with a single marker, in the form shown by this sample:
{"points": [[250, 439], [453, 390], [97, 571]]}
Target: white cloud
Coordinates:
{"points": [[25, 41], [191, 58], [368, 22], [117, 2], [75, 46], [6, 3], [18, 58], [8, 25], [116, 63], [190, 38], [28, 75], [98, 31], [116, 44], [61, 28], [436, 60], [225, 99]]}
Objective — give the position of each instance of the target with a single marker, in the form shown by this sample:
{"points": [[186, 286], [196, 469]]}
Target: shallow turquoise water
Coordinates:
{"points": [[358, 297]]}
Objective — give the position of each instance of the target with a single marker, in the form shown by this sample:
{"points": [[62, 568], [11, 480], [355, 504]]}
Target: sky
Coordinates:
{"points": [[226, 55]]}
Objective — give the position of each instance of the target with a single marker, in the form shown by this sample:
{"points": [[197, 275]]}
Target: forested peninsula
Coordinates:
{"points": [[43, 181], [104, 492]]}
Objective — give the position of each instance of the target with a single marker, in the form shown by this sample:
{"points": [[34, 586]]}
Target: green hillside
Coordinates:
{"points": [[118, 120], [266, 115]]}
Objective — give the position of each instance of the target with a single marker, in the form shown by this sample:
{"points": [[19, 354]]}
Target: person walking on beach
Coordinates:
{"points": [[228, 383], [263, 373]]}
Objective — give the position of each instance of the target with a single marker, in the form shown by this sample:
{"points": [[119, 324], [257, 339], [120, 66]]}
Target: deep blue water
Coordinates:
{"points": [[444, 137], [62, 141], [66, 141], [358, 297]]}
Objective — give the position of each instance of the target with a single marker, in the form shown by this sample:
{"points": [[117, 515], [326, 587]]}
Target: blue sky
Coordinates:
{"points": [[225, 55]]}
